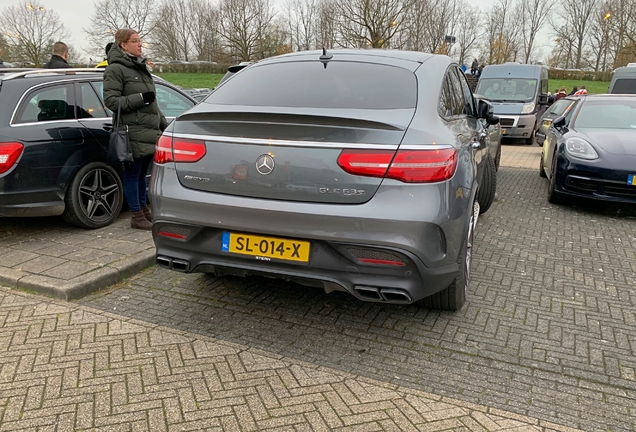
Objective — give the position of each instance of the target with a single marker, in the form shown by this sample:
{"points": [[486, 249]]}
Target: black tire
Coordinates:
{"points": [[95, 197], [453, 297], [487, 186], [553, 195], [541, 169]]}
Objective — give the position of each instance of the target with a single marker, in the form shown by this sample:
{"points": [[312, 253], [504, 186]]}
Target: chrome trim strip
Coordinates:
{"points": [[283, 143], [44, 123], [425, 147]]}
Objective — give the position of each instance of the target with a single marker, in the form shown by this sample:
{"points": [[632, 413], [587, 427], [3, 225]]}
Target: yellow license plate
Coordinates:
{"points": [[503, 131], [547, 123], [266, 248]]}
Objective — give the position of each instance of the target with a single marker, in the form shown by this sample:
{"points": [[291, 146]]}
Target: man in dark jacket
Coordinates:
{"points": [[59, 59], [128, 82]]}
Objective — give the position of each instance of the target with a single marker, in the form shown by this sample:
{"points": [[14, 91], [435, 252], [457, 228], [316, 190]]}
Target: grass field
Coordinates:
{"points": [[593, 87], [192, 80], [205, 80]]}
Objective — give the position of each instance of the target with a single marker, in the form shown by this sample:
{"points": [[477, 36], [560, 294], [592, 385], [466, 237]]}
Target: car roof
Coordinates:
{"points": [[370, 55], [611, 97]]}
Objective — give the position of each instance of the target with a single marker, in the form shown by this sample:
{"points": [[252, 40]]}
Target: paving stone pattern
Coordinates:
{"points": [[49, 256], [548, 330], [66, 367]]}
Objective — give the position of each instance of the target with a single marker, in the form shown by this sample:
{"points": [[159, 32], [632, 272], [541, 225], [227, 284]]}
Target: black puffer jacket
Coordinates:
{"points": [[125, 79], [57, 62]]}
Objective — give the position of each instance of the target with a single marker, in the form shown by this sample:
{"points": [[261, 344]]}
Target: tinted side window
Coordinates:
{"points": [[469, 107], [171, 102], [90, 105], [309, 84], [457, 94], [625, 86], [568, 115], [47, 104], [445, 102], [559, 107]]}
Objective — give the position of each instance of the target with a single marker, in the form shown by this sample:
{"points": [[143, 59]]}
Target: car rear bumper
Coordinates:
{"points": [[422, 225]]}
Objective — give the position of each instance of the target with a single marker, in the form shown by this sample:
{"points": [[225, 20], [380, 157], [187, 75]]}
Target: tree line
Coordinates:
{"points": [[581, 34]]}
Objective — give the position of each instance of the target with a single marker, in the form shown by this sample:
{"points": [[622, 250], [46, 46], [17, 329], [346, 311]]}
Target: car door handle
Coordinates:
{"points": [[108, 127]]}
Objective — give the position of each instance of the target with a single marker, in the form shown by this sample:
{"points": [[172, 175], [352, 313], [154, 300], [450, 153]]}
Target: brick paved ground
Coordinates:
{"points": [[65, 367], [52, 257], [548, 330]]}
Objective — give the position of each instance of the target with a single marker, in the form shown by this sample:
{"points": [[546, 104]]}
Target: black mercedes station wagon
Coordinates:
{"points": [[54, 131]]}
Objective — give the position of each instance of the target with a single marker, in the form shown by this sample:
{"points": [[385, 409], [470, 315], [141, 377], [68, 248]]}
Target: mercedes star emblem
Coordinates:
{"points": [[265, 164]]}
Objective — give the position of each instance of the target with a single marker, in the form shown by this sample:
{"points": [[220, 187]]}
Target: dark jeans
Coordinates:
{"points": [[135, 183]]}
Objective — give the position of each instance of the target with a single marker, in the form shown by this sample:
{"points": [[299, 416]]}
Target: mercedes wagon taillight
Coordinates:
{"points": [[169, 149], [9, 154], [409, 166]]}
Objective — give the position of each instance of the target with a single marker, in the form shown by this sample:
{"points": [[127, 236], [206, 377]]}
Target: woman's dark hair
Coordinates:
{"points": [[109, 45]]}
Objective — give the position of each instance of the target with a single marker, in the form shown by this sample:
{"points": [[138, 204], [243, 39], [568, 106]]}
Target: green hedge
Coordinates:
{"points": [[569, 74]]}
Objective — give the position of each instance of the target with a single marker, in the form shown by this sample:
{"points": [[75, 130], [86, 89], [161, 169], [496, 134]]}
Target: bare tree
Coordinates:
{"points": [[502, 33], [302, 19], [620, 19], [31, 29], [111, 15], [243, 24], [576, 16], [534, 15], [327, 31], [171, 33], [204, 29], [468, 31], [370, 22]]}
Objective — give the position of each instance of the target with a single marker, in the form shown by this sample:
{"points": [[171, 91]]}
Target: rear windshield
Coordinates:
{"points": [[607, 114], [624, 86], [311, 85]]}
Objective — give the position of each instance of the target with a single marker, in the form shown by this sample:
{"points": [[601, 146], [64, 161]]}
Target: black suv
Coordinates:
{"points": [[54, 130]]}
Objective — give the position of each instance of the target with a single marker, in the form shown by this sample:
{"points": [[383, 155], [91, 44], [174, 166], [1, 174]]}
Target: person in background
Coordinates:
{"points": [[581, 92], [103, 64], [574, 90], [493, 91], [128, 82], [59, 59], [561, 94], [480, 70], [474, 66], [2, 65], [552, 96]]}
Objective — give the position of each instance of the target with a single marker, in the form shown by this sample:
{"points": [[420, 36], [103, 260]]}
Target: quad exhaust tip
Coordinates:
{"points": [[173, 264], [385, 295]]}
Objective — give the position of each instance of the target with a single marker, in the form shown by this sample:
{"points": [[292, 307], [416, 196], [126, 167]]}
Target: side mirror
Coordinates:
{"points": [[543, 99], [484, 109], [492, 120], [559, 122]]}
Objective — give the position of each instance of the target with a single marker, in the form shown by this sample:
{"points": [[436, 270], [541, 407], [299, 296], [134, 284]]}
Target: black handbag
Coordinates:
{"points": [[119, 150]]}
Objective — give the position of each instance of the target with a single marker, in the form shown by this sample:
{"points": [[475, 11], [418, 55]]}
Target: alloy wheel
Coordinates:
{"points": [[99, 194]]}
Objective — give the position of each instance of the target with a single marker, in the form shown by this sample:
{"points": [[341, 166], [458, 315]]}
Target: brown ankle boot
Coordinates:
{"points": [[139, 221], [147, 214]]}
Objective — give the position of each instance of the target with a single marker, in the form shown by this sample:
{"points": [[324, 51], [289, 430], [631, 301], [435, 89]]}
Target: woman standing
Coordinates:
{"points": [[128, 82]]}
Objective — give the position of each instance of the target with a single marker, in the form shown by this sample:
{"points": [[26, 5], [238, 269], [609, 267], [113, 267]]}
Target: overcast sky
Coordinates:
{"points": [[76, 16]]}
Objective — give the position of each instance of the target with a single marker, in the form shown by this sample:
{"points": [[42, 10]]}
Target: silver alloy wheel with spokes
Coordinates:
{"points": [[98, 194], [94, 197]]}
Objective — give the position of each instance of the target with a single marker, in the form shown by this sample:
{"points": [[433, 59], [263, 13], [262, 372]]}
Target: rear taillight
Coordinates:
{"points": [[170, 149], [409, 166], [9, 155]]}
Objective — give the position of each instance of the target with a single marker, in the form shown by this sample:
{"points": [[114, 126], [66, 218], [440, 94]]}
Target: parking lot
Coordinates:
{"points": [[546, 341]]}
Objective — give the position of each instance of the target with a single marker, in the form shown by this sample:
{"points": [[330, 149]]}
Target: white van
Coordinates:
{"points": [[519, 96], [624, 80]]}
